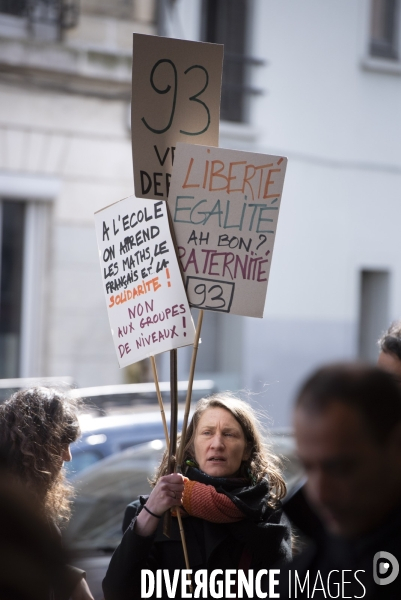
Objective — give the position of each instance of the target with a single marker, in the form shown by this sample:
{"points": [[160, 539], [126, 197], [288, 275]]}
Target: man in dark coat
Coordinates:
{"points": [[348, 432], [296, 505]]}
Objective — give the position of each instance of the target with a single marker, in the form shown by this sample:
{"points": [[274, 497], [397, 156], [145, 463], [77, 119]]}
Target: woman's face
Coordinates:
{"points": [[219, 443]]}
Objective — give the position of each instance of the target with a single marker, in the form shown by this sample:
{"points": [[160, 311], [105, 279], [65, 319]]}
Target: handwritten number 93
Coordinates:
{"points": [[201, 291], [167, 89]]}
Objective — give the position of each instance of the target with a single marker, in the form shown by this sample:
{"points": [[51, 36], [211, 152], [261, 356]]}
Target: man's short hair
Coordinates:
{"points": [[369, 390], [390, 341]]}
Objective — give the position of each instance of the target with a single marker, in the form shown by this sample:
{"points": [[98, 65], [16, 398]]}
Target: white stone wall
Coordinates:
{"points": [[64, 118]]}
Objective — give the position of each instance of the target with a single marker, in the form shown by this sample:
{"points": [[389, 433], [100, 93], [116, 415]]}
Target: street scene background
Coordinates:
{"points": [[319, 83]]}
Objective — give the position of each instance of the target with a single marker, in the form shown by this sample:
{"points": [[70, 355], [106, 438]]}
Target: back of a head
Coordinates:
{"points": [[36, 424], [367, 389], [390, 342]]}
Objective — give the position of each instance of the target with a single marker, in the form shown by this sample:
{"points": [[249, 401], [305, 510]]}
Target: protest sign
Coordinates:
{"points": [[146, 302], [176, 88], [224, 205]]}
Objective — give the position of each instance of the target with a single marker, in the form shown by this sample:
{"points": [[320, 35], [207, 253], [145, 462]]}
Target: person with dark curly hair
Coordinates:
{"points": [[390, 351], [229, 496], [37, 426]]}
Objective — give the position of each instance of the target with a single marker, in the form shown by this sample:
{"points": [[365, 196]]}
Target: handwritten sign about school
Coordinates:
{"points": [[176, 88], [225, 205], [146, 302]]}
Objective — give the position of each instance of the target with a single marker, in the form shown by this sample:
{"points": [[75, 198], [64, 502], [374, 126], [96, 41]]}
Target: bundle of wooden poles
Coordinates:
{"points": [[174, 459]]}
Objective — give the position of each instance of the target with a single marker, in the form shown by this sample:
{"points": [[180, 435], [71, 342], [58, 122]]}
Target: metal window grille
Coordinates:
{"points": [[384, 29], [17, 8], [12, 217], [374, 303], [225, 22], [63, 13]]}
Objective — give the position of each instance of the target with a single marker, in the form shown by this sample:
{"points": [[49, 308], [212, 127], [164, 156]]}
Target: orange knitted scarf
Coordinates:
{"points": [[224, 499], [205, 502]]}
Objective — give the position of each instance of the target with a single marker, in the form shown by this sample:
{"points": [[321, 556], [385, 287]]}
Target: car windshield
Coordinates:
{"points": [[108, 435], [104, 490]]}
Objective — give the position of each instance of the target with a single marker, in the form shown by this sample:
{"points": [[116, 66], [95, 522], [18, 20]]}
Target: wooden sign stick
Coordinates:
{"points": [[180, 455], [159, 397], [173, 429], [183, 542], [173, 450]]}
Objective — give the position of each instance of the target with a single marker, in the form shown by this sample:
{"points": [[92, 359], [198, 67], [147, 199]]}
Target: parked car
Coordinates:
{"points": [[104, 436], [10, 386], [109, 397], [105, 489], [133, 418]]}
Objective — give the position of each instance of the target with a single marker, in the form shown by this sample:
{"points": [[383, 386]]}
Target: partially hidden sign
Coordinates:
{"points": [[225, 205], [176, 88], [147, 306]]}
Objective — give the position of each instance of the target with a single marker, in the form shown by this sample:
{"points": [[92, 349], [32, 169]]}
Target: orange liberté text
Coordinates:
{"points": [[234, 177]]}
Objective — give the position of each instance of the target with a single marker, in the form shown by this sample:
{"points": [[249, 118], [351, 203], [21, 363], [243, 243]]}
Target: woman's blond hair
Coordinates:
{"points": [[36, 426], [262, 461]]}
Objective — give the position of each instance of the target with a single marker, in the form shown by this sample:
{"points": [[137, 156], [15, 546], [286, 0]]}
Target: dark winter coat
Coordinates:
{"points": [[246, 544], [32, 565], [356, 562]]}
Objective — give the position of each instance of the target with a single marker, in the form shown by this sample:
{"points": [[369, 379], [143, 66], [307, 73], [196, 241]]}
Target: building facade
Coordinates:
{"points": [[65, 89]]}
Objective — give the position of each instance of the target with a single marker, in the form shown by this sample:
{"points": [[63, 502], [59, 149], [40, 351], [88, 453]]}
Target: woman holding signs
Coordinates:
{"points": [[229, 499]]}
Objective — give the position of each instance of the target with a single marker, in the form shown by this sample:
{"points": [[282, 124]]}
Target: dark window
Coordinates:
{"points": [[14, 7], [226, 22], [12, 219], [384, 29], [374, 302], [63, 13]]}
